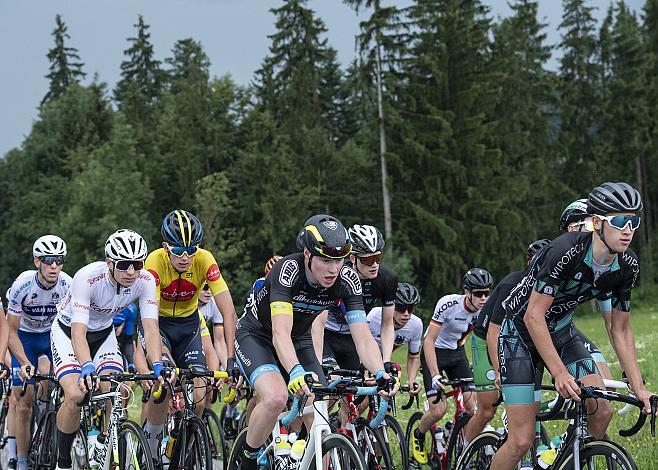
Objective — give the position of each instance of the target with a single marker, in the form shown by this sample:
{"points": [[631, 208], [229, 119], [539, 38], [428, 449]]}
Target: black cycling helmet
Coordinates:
{"points": [[614, 197], [574, 212], [181, 228], [536, 246], [407, 294], [324, 235], [366, 239], [477, 278]]}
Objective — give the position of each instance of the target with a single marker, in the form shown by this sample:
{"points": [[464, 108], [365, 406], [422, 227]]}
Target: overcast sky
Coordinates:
{"points": [[233, 33]]}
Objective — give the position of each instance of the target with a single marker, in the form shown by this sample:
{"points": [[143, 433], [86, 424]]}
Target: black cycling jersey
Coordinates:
{"points": [[563, 270], [286, 290], [493, 311], [379, 291]]}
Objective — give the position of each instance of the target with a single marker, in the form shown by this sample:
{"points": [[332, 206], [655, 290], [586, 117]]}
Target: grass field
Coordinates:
{"points": [[642, 446]]}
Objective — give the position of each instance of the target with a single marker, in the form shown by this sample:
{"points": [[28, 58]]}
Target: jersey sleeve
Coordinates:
{"points": [[390, 289], [554, 264], [439, 316], [416, 336], [282, 278], [497, 308], [151, 265], [14, 302], [148, 305], [621, 297], [80, 299], [213, 275], [374, 321], [351, 293]]}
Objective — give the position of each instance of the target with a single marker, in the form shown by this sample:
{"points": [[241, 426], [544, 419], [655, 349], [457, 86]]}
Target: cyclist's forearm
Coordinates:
{"points": [[153, 340], [225, 304], [387, 333], [430, 354], [220, 344], [4, 337], [624, 340], [492, 345], [413, 364], [12, 340], [285, 350]]}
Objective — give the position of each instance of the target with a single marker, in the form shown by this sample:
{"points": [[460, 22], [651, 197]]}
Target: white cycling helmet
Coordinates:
{"points": [[125, 244], [49, 245], [366, 239]]}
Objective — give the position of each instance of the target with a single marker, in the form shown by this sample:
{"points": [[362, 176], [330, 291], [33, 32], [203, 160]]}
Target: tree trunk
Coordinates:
{"points": [[388, 226]]}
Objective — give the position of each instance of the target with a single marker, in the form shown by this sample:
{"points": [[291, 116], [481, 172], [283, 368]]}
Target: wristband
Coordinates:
{"points": [[87, 369], [379, 374], [296, 371], [158, 369]]}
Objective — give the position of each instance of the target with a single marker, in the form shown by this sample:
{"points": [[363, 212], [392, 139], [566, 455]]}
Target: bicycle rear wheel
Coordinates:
{"points": [[218, 444], [340, 453], [478, 454], [456, 442], [134, 452], [372, 445], [600, 455], [235, 459]]}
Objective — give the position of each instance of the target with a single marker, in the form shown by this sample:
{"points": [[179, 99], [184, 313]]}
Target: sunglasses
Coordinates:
{"points": [[405, 308], [370, 260], [621, 221], [179, 251], [125, 264], [480, 293], [49, 260], [586, 225], [335, 252]]}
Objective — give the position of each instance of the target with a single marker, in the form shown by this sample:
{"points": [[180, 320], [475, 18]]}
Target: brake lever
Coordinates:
{"points": [[654, 407]]}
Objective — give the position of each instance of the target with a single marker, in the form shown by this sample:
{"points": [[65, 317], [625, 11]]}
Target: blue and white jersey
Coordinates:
{"points": [[34, 303]]}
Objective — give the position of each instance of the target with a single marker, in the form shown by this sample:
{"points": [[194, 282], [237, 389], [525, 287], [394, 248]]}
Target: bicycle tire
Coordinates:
{"points": [[235, 459], [373, 448], [350, 457], [609, 451], [197, 452], [42, 453], [479, 452], [413, 465], [79, 455], [216, 439], [229, 434], [134, 452], [396, 440], [456, 441]]}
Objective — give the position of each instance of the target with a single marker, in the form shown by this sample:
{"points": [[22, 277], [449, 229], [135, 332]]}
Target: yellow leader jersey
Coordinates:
{"points": [[179, 292]]}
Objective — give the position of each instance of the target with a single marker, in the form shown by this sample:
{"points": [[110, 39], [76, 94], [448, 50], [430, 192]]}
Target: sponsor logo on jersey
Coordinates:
{"points": [[565, 260], [578, 276], [213, 273], [95, 279], [446, 306], [179, 291], [352, 279], [548, 290], [330, 224], [55, 297], [34, 296], [288, 273]]}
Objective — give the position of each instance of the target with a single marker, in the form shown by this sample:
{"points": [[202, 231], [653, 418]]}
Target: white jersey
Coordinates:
{"points": [[410, 333], [94, 300], [35, 303], [211, 313], [455, 320]]}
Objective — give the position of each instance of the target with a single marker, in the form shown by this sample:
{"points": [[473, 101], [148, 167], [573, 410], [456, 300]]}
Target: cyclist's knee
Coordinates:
{"points": [[520, 442], [24, 406], [73, 396]]}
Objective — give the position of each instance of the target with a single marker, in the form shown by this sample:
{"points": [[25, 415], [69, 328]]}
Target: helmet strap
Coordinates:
{"points": [[119, 285], [599, 232], [469, 301]]}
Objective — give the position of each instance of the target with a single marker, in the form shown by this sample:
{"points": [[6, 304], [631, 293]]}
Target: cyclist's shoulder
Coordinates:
{"points": [[568, 244], [375, 314], [511, 279], [386, 273], [24, 280], [287, 272], [348, 282]]}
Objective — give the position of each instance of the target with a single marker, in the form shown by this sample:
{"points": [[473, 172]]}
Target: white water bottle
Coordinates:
{"points": [[440, 440], [98, 454]]}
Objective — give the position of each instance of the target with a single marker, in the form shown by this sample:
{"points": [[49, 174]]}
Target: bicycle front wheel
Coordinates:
{"points": [[396, 442], [600, 455], [456, 442], [218, 445], [480, 452], [373, 447], [134, 452], [197, 452], [339, 453], [43, 449]]}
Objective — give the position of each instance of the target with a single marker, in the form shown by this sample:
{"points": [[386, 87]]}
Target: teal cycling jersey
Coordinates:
{"points": [[566, 271]]}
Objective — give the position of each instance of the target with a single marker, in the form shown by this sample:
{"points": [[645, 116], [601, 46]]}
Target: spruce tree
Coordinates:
{"points": [[65, 64]]}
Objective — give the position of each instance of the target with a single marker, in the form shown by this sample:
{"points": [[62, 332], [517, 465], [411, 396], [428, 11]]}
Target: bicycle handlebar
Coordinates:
{"points": [[593, 392]]}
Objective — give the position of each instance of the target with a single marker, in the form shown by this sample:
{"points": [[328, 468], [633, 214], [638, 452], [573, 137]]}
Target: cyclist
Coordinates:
{"points": [[181, 268], [4, 340], [11, 411], [273, 340], [379, 283], [31, 310], [124, 328], [538, 332], [576, 219], [485, 348], [82, 337], [408, 329], [214, 321], [443, 349]]}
